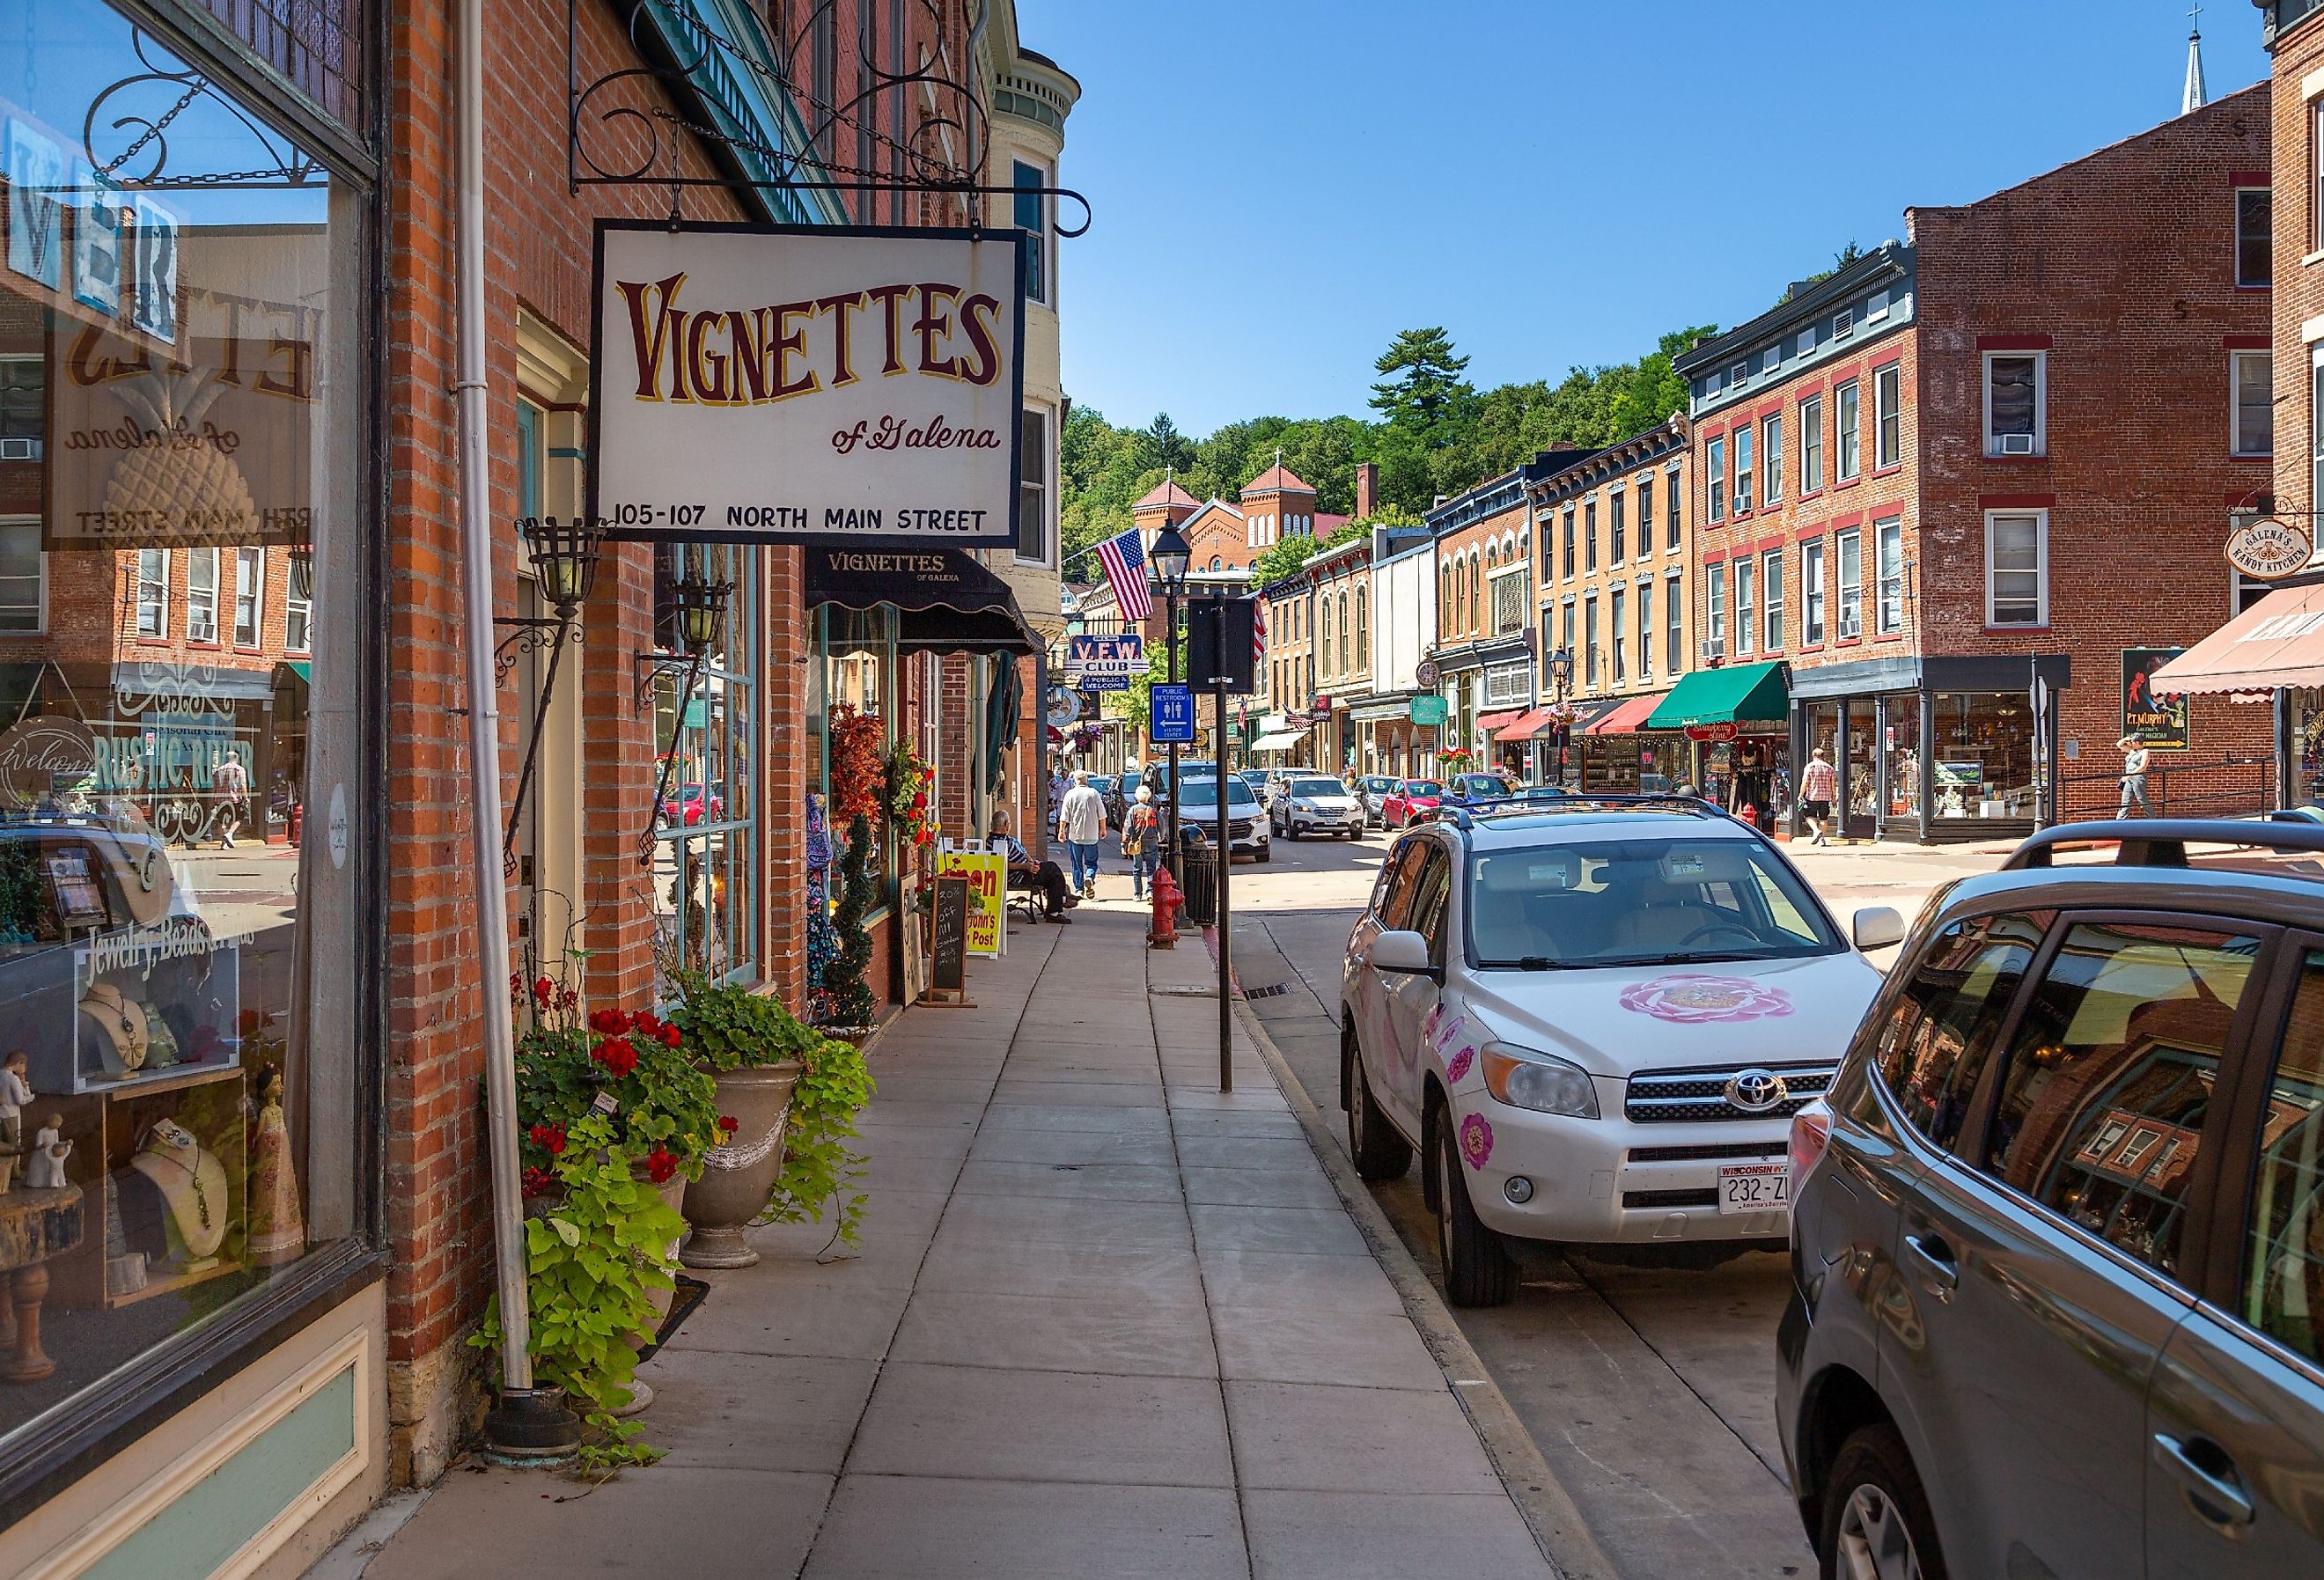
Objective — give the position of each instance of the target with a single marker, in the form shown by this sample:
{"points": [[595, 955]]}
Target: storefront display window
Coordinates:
{"points": [[706, 824], [1982, 755], [854, 666], [1900, 740], [2303, 712], [184, 940]]}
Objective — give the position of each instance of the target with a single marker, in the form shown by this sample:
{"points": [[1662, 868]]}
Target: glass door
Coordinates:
{"points": [[1862, 784]]}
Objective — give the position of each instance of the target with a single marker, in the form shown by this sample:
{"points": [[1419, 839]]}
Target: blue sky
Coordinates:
{"points": [[1281, 185]]}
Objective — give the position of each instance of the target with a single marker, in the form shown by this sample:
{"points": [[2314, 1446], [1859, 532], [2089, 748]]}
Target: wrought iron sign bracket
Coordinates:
{"points": [[639, 135], [653, 667]]}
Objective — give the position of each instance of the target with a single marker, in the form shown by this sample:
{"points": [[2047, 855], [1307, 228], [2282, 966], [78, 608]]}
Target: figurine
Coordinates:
{"points": [[46, 1169], [16, 1092], [277, 1232]]}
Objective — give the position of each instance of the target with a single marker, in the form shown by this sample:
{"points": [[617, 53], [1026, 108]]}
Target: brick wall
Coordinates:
{"points": [[2121, 267], [2299, 293]]}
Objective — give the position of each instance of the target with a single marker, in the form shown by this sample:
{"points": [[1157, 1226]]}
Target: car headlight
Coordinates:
{"points": [[1303, 806], [1523, 1078]]}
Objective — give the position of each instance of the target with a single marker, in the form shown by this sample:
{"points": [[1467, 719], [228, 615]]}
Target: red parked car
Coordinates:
{"points": [[1413, 801], [691, 805]]}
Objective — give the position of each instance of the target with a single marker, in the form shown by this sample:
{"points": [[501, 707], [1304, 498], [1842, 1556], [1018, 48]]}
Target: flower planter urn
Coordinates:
{"points": [[738, 1177]]}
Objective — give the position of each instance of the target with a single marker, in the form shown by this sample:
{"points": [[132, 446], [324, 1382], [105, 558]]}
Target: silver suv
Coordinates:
{"points": [[2058, 1224]]}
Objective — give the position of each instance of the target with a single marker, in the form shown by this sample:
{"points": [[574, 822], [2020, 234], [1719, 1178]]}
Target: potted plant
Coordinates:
{"points": [[788, 1095], [630, 1065]]}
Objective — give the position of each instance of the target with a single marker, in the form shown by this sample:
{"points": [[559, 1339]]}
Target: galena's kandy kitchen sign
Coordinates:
{"points": [[779, 384]]}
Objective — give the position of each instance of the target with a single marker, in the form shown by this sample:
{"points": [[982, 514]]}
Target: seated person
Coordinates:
{"points": [[1024, 872]]}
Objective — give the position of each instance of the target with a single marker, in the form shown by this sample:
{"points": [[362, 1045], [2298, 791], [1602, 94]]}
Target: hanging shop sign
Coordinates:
{"points": [[1104, 663], [781, 384], [2156, 718], [1430, 710], [1065, 707], [2269, 550], [1724, 730]]}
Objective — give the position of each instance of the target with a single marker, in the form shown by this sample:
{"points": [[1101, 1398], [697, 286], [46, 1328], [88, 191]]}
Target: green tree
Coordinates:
{"points": [[1423, 390]]}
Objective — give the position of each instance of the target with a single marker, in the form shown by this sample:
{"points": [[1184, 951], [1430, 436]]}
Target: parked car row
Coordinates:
{"points": [[2053, 1193]]}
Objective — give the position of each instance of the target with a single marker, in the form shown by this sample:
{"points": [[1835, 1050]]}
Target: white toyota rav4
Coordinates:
{"points": [[1594, 1020]]}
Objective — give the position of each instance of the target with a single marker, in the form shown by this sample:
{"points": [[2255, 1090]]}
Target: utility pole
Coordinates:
{"points": [[1216, 606]]}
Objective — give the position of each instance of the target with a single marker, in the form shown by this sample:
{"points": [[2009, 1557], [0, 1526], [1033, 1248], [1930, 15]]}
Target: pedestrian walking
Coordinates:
{"points": [[230, 782], [2133, 777], [1819, 788], [1043, 878], [1141, 841], [1081, 824]]}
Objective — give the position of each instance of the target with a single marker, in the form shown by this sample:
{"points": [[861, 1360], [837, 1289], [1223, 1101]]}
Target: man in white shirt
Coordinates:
{"points": [[2133, 777], [230, 782], [1081, 824]]}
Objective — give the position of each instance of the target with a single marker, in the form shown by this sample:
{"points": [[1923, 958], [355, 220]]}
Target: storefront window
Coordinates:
{"points": [[706, 825], [1982, 755], [182, 803], [856, 666], [1900, 735]]}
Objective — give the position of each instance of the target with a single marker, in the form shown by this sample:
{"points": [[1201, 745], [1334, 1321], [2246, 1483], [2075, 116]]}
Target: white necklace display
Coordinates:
{"points": [[123, 1023], [192, 1181]]}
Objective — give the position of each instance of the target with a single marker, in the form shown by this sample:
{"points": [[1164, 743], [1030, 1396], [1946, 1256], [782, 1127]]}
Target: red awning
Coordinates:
{"points": [[1625, 719], [1521, 728], [2277, 642], [1490, 721]]}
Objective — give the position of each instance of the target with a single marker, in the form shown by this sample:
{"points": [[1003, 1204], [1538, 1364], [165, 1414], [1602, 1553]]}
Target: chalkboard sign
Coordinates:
{"points": [[949, 950]]}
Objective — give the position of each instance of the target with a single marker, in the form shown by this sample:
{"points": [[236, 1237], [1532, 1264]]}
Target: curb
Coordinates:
{"points": [[1549, 1512]]}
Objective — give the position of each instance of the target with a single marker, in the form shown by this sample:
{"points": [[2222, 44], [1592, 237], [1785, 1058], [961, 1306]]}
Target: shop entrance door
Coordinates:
{"points": [[1862, 782]]}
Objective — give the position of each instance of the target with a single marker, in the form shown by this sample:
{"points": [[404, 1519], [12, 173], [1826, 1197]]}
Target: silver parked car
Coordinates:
{"points": [[2058, 1225], [1371, 790]]}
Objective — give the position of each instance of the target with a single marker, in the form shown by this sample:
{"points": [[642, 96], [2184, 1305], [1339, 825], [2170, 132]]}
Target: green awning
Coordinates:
{"points": [[1734, 695]]}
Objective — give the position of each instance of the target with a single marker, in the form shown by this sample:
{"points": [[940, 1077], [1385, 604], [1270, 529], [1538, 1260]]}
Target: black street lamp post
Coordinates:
{"points": [[1169, 557], [1561, 677]]}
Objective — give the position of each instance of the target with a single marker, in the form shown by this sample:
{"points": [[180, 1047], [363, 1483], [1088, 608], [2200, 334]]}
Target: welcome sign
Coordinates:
{"points": [[785, 383]]}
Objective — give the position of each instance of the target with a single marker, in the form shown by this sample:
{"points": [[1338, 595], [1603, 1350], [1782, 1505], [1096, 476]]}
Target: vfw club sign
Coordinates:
{"points": [[784, 383]]}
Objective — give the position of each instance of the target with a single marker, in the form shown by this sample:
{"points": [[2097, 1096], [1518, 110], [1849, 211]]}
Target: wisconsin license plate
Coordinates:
{"points": [[1755, 1187]]}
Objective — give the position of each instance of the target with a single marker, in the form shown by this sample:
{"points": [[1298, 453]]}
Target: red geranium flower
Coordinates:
{"points": [[536, 1180], [671, 1036], [617, 1055], [605, 1022], [646, 1022], [541, 989], [549, 1138], [729, 1124], [661, 1165]]}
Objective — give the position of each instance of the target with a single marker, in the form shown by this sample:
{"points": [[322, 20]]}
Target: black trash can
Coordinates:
{"points": [[1198, 878]]}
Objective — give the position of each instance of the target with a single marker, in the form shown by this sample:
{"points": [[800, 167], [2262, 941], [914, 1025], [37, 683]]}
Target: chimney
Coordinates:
{"points": [[1367, 490]]}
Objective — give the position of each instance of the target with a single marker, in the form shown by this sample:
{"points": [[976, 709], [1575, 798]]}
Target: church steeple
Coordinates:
{"points": [[2194, 98]]}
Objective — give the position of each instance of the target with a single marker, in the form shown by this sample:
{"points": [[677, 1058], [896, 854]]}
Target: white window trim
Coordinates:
{"points": [[137, 605], [2040, 400], [33, 522], [1837, 602], [1771, 470], [1880, 626], [217, 574], [2235, 360], [2041, 570], [1044, 242], [257, 602], [1049, 474], [1887, 372]]}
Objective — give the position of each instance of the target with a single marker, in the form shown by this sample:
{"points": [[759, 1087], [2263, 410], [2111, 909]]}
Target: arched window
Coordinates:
{"points": [[1217, 563], [1325, 665], [1344, 628]]}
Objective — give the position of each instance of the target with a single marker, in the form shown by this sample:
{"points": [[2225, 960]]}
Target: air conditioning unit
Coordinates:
{"points": [[2016, 444], [20, 450], [1713, 652]]}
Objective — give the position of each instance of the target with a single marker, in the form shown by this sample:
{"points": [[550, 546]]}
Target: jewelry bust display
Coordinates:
{"points": [[122, 1035], [193, 1182]]}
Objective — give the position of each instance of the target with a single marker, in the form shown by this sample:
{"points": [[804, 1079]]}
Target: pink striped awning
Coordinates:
{"points": [[2277, 642]]}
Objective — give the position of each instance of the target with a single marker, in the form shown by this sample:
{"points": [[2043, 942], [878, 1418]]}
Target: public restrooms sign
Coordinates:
{"points": [[784, 383]]}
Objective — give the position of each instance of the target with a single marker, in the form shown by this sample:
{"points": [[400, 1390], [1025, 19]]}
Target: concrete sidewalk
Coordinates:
{"points": [[1106, 1321]]}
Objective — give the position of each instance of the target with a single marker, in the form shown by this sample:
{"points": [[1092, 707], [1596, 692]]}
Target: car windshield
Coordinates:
{"points": [[1423, 787], [1481, 784], [1638, 902], [1205, 792], [1317, 787], [1378, 783]]}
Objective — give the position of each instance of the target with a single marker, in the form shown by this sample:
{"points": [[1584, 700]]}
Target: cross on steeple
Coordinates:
{"points": [[2194, 97]]}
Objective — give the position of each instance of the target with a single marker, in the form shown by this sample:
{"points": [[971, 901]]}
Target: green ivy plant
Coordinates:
{"points": [[594, 1261], [730, 1028]]}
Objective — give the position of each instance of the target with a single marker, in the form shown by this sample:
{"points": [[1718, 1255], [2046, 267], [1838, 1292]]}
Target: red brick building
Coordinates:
{"points": [[2008, 445]]}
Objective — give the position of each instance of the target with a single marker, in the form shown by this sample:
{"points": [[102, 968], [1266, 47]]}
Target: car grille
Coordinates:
{"points": [[1671, 1198], [1239, 829], [1720, 1153], [1693, 1096]]}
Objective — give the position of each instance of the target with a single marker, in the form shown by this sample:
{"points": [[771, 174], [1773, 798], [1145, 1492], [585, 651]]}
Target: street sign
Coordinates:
{"points": [[1104, 663], [1173, 715]]}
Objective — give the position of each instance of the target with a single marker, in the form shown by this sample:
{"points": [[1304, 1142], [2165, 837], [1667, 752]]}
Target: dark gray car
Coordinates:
{"points": [[2058, 1228]]}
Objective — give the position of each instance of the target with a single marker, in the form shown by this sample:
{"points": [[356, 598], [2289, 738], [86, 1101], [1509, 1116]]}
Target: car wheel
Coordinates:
{"points": [[1380, 1152], [1478, 1271], [1876, 1515]]}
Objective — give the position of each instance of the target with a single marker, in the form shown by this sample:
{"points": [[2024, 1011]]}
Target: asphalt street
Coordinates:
{"points": [[1649, 1391]]}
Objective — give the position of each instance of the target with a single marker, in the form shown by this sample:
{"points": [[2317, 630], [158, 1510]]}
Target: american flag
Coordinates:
{"points": [[1259, 631], [1125, 568]]}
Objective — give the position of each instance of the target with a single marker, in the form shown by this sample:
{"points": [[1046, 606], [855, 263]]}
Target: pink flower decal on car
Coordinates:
{"points": [[1460, 1064], [1696, 999], [1476, 1140]]}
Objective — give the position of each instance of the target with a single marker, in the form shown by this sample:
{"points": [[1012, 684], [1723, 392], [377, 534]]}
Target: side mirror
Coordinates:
{"points": [[1878, 926], [1404, 954]]}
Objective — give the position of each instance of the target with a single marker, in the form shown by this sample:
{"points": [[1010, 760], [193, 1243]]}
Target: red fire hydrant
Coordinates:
{"points": [[1162, 933]]}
